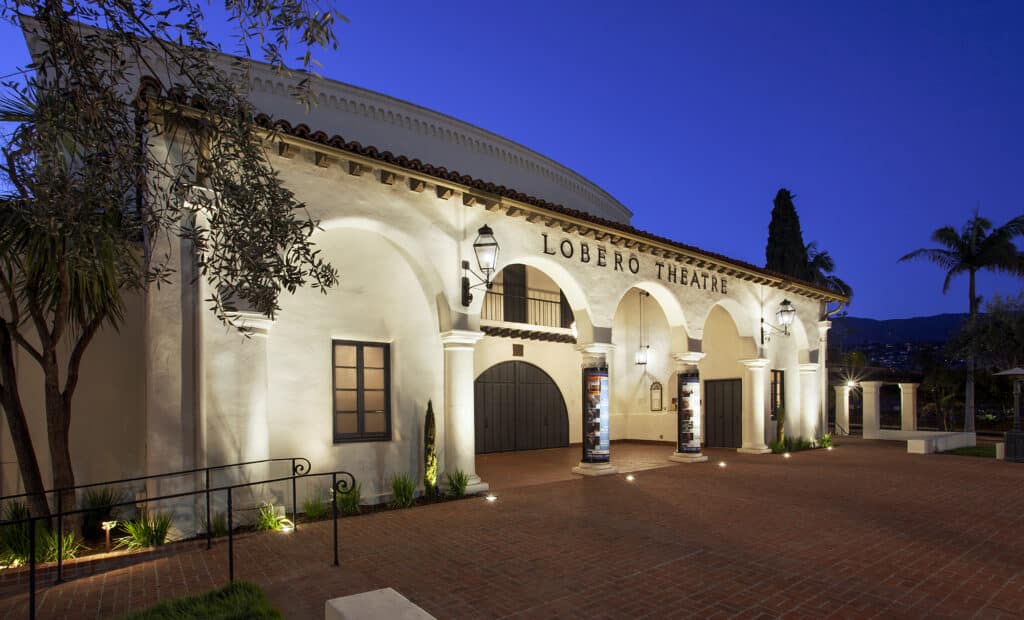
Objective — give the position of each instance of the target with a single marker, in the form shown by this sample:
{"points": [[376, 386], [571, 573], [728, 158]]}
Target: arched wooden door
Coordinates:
{"points": [[519, 407]]}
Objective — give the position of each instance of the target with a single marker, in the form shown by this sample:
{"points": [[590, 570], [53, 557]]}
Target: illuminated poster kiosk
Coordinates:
{"points": [[596, 447], [688, 406]]}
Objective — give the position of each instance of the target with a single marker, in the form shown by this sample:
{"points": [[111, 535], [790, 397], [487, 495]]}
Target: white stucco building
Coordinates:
{"points": [[343, 379]]}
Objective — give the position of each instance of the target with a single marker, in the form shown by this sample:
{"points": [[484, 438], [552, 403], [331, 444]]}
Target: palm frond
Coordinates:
{"points": [[947, 259]]}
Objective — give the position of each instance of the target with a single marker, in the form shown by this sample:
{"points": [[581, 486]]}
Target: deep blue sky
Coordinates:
{"points": [[887, 119]]}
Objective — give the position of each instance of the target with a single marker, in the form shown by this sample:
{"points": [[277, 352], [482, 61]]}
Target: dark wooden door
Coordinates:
{"points": [[723, 417], [518, 407]]}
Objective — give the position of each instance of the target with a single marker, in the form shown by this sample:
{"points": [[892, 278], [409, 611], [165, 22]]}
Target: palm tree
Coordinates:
{"points": [[821, 268], [977, 247]]}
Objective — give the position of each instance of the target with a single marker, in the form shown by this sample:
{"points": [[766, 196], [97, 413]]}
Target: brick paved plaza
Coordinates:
{"points": [[863, 531]]}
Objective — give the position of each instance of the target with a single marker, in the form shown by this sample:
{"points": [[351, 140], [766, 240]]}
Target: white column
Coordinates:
{"points": [[687, 362], [809, 406], [823, 327], [754, 406], [459, 429], [908, 406], [871, 424], [597, 355], [842, 409]]}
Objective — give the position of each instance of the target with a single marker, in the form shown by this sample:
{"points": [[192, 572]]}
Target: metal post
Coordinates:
{"points": [[1016, 406], [60, 538], [231, 543], [209, 522], [334, 504], [295, 505], [32, 569]]}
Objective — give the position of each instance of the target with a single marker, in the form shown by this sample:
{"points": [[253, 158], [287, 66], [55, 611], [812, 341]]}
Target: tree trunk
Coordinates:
{"points": [[58, 423], [969, 395], [17, 423]]}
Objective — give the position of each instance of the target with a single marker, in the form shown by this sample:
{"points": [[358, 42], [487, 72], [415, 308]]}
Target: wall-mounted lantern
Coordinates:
{"points": [[784, 315], [486, 249]]}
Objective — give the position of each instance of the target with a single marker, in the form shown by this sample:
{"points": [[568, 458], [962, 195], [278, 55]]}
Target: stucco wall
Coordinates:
{"points": [[108, 422], [379, 299]]}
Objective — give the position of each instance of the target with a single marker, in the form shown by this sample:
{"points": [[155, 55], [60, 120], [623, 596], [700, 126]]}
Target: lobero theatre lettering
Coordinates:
{"points": [[666, 272]]}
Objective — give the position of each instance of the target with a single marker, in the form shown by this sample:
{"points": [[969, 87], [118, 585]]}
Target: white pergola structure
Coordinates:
{"points": [[872, 390]]}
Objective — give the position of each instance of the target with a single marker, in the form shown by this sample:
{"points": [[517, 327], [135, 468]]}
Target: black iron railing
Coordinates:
{"points": [[342, 483], [540, 307], [300, 467]]}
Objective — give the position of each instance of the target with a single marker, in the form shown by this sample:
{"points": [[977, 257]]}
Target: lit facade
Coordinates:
{"points": [[343, 379]]}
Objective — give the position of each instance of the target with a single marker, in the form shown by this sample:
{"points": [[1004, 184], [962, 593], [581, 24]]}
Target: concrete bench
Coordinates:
{"points": [[939, 442], [383, 604]]}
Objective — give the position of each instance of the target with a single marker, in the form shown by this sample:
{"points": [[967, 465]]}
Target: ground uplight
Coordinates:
{"points": [[721, 463], [630, 478], [491, 497]]}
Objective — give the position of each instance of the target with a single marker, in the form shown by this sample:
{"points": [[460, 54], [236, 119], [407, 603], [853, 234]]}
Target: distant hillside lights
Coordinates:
{"points": [[599, 256]]}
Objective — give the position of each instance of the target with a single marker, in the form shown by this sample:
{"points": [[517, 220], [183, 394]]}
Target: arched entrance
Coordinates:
{"points": [[518, 407]]}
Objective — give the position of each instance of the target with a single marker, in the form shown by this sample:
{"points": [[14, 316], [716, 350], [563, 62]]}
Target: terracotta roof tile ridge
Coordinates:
{"points": [[151, 87]]}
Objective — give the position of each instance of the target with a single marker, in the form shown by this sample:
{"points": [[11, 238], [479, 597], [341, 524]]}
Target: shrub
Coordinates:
{"points": [[100, 504], [150, 529], [457, 483], [430, 453], [14, 538], [236, 600], [219, 527], [825, 441], [348, 503], [403, 491], [268, 519], [314, 507], [791, 444], [70, 546]]}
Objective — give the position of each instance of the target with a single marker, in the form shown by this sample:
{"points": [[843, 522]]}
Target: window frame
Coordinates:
{"points": [[360, 436]]}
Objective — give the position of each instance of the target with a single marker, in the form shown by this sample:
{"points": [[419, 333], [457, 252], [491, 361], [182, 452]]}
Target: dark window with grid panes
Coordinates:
{"points": [[362, 391], [778, 392]]}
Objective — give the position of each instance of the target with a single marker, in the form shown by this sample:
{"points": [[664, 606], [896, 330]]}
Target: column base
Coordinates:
{"points": [[595, 469], [764, 450], [688, 457]]}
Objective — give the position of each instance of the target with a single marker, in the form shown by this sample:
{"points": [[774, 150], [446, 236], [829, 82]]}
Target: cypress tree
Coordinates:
{"points": [[786, 252], [429, 453]]}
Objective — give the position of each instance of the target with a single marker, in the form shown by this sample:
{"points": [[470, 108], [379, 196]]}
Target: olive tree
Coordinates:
{"points": [[97, 180]]}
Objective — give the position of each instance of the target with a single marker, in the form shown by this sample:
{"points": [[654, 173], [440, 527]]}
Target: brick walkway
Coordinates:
{"points": [[863, 531]]}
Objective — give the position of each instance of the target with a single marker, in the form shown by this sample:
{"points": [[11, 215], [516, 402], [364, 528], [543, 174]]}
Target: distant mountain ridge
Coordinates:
{"points": [[854, 331]]}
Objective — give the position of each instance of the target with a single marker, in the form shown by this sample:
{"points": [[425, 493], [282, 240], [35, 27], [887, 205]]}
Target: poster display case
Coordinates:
{"points": [[596, 447], [688, 412]]}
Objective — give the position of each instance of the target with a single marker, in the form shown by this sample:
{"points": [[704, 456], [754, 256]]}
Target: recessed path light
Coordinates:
{"points": [[786, 455], [721, 463], [491, 497], [630, 478]]}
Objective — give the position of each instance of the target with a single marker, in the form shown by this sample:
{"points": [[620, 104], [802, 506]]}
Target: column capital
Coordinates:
{"points": [[842, 389], [808, 369], [460, 338], [909, 386], [871, 385], [596, 348], [254, 323], [595, 354], [756, 363], [688, 358], [824, 326]]}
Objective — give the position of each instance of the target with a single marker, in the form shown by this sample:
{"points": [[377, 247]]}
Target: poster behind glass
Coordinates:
{"points": [[688, 410], [595, 416]]}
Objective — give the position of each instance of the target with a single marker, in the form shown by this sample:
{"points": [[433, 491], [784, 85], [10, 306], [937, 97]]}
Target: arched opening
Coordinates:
{"points": [[524, 294], [644, 342], [517, 407], [722, 374]]}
